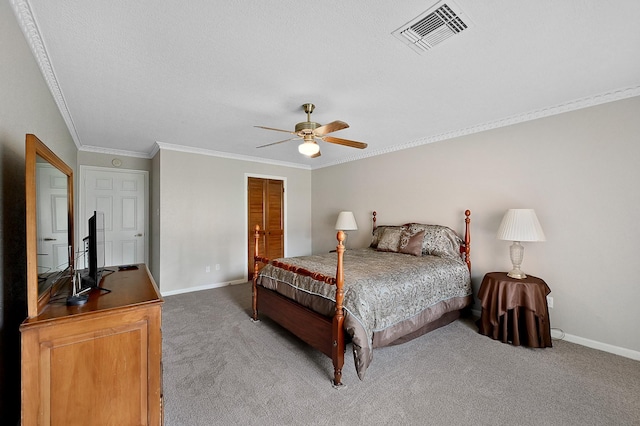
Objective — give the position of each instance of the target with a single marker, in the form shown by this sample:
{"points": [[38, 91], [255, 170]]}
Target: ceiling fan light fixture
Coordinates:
{"points": [[310, 131], [309, 148]]}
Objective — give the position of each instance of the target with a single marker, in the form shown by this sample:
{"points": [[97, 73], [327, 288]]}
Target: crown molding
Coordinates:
{"points": [[117, 152], [614, 95], [24, 15], [211, 153]]}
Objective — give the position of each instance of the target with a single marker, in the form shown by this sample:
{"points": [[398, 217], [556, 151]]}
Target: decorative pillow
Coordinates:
{"points": [[390, 239], [438, 240], [377, 234], [411, 243]]}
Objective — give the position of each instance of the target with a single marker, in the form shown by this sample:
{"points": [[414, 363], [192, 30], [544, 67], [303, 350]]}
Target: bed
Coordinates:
{"points": [[412, 279]]}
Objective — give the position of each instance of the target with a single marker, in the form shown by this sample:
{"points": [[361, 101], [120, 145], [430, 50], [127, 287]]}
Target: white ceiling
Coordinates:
{"points": [[198, 75]]}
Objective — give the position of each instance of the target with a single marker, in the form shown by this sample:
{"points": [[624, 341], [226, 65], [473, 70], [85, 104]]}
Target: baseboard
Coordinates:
{"points": [[593, 344], [617, 350], [202, 287]]}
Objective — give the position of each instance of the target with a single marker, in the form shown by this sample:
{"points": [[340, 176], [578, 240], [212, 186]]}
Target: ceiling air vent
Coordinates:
{"points": [[434, 26]]}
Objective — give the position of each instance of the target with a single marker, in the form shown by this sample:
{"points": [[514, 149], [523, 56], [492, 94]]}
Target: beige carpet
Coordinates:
{"points": [[221, 368]]}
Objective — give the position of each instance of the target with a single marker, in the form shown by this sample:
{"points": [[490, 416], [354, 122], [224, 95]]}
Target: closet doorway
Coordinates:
{"points": [[265, 201]]}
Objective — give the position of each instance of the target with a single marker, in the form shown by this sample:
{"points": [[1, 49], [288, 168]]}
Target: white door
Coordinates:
{"points": [[52, 229], [122, 196]]}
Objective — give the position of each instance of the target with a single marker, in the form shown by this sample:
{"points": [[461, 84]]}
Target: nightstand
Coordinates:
{"points": [[515, 311]]}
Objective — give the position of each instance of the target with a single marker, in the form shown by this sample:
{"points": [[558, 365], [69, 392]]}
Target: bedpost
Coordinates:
{"points": [[338, 318], [467, 240], [254, 290], [374, 221]]}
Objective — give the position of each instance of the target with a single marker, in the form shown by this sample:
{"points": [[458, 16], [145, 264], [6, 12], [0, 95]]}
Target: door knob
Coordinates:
{"points": [[138, 235]]}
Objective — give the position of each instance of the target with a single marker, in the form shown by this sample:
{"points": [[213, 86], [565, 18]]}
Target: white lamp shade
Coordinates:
{"points": [[308, 148], [520, 225], [346, 222]]}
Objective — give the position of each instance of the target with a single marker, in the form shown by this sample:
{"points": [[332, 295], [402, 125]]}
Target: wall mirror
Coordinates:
{"points": [[49, 211]]}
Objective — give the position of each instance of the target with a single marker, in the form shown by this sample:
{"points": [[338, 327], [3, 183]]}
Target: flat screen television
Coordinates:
{"points": [[95, 250]]}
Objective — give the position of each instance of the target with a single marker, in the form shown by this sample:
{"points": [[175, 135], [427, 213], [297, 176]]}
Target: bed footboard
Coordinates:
{"points": [[323, 333]]}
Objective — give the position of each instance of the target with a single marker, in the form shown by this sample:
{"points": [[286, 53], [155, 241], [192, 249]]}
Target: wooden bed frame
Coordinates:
{"points": [[324, 333]]}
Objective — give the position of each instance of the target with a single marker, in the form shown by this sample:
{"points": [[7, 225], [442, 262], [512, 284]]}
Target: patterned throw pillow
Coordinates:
{"points": [[438, 240], [390, 239], [411, 243], [377, 234]]}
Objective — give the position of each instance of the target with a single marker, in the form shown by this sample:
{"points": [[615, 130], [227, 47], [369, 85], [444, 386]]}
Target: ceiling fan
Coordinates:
{"points": [[309, 131]]}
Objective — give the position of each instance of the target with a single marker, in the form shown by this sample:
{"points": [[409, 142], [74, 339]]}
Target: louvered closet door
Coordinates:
{"points": [[266, 208]]}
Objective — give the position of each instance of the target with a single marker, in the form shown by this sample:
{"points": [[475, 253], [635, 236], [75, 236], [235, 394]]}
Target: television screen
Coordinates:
{"points": [[99, 241], [95, 250]]}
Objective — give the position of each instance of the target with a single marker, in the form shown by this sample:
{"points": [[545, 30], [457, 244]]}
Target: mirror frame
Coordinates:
{"points": [[35, 148]]}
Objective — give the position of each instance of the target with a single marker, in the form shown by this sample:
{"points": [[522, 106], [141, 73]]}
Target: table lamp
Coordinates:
{"points": [[346, 222], [519, 225]]}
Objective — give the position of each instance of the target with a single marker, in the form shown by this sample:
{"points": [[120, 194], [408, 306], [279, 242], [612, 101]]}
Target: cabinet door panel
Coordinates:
{"points": [[96, 377], [99, 363]]}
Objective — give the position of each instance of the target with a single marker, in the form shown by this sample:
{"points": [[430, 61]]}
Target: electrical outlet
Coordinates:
{"points": [[207, 269], [550, 301], [217, 266]]}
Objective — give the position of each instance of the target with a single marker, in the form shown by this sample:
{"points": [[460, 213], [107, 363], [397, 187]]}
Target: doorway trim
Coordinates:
{"points": [[246, 212], [82, 200]]}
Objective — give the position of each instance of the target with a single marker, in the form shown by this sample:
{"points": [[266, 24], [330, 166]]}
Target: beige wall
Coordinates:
{"points": [[578, 170], [26, 106], [203, 217]]}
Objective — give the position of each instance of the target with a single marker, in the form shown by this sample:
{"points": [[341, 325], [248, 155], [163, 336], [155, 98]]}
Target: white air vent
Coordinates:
{"points": [[434, 26]]}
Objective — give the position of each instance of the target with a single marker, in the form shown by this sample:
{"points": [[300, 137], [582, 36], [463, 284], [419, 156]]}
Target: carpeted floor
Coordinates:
{"points": [[221, 368]]}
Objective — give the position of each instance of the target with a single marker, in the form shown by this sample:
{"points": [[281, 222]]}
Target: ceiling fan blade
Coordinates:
{"points": [[318, 154], [275, 143], [345, 142], [277, 130], [334, 126]]}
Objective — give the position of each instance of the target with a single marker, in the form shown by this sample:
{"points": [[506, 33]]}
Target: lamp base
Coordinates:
{"points": [[516, 251], [517, 274]]}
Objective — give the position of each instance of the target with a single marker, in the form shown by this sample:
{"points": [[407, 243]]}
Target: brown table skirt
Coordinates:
{"points": [[518, 326]]}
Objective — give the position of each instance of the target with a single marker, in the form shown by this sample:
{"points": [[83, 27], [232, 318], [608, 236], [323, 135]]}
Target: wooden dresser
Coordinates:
{"points": [[99, 363]]}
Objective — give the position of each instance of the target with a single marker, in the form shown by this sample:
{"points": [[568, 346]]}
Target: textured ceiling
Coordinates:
{"points": [[198, 75]]}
